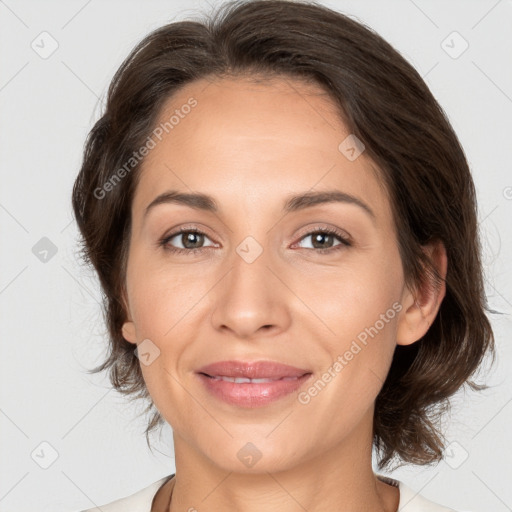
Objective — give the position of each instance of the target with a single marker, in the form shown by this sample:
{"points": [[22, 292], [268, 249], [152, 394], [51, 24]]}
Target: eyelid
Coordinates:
{"points": [[193, 228], [199, 228], [324, 227], [344, 238]]}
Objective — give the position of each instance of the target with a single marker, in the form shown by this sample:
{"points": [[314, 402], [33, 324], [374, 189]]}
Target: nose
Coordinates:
{"points": [[251, 300]]}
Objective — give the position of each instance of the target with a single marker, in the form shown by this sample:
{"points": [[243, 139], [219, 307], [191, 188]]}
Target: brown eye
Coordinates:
{"points": [[191, 241], [323, 240], [319, 240]]}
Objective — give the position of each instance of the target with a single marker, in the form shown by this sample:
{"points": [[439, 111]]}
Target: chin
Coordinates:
{"points": [[252, 454]]}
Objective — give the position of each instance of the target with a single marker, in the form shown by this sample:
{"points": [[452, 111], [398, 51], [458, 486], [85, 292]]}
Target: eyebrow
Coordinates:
{"points": [[294, 203]]}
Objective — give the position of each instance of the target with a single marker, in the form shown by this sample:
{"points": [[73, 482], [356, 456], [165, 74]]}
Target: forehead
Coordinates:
{"points": [[254, 142]]}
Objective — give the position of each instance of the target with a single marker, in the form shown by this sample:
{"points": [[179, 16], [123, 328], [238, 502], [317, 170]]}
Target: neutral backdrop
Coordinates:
{"points": [[68, 441]]}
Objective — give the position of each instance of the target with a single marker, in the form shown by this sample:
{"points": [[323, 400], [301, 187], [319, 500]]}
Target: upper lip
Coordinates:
{"points": [[252, 370]]}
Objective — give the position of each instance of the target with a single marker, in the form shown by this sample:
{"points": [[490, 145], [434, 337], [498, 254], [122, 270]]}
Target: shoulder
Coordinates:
{"points": [[139, 501], [413, 501]]}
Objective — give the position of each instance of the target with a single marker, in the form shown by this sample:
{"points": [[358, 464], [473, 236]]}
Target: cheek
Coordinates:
{"points": [[160, 297], [162, 307], [347, 300], [361, 311], [358, 309]]}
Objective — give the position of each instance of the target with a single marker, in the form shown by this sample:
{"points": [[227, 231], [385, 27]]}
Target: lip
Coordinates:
{"points": [[252, 370], [283, 380]]}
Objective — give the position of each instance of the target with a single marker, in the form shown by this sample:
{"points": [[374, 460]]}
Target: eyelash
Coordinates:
{"points": [[164, 241]]}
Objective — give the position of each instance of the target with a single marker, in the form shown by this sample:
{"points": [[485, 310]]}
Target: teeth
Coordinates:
{"points": [[242, 380]]}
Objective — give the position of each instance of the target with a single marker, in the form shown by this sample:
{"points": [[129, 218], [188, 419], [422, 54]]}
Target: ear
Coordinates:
{"points": [[128, 328], [422, 304]]}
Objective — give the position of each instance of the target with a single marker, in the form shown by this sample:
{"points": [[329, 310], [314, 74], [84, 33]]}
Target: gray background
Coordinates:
{"points": [[51, 322]]}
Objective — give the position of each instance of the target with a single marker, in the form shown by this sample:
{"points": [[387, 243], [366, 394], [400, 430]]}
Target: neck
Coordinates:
{"points": [[339, 479]]}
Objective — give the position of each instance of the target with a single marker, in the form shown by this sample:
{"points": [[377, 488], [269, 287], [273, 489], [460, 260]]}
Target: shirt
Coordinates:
{"points": [[141, 501]]}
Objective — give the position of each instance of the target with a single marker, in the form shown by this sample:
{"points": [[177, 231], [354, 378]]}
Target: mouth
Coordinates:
{"points": [[253, 371], [251, 385], [244, 380]]}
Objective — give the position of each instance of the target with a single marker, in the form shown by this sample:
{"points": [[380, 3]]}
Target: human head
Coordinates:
{"points": [[381, 100]]}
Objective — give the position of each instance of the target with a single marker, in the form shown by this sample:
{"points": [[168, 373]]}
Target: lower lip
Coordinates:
{"points": [[251, 395]]}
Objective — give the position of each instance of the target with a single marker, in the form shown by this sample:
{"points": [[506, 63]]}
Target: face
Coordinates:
{"points": [[315, 285]]}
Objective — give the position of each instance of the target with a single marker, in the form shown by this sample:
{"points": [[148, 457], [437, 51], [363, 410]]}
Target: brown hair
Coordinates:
{"points": [[386, 104]]}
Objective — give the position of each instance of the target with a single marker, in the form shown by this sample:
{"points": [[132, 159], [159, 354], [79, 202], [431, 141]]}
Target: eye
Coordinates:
{"points": [[191, 240], [322, 238]]}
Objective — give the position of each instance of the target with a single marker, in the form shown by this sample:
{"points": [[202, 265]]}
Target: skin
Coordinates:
{"points": [[250, 146]]}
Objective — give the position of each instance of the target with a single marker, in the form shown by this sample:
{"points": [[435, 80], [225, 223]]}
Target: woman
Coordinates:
{"points": [[284, 226]]}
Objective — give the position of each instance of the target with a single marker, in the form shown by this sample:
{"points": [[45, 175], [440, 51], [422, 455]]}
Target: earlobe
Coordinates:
{"points": [[128, 331], [422, 305]]}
